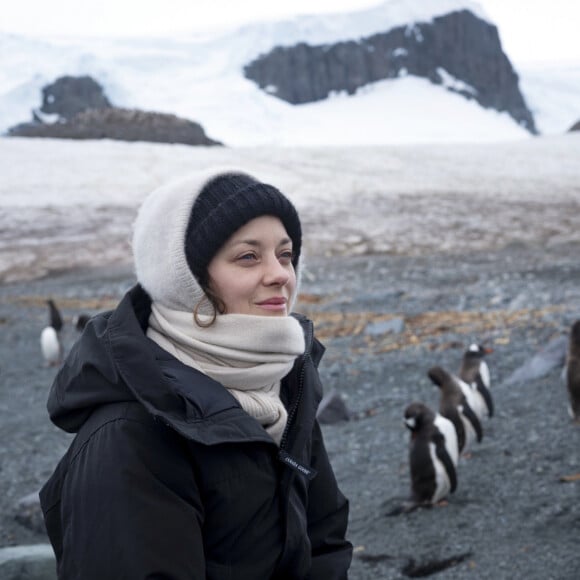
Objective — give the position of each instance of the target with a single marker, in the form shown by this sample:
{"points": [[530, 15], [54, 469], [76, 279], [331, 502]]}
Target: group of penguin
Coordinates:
{"points": [[51, 344], [438, 439]]}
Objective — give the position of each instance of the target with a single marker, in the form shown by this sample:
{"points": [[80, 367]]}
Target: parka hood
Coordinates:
{"points": [[90, 375]]}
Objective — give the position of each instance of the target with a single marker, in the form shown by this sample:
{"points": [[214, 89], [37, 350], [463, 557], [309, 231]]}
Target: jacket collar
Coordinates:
{"points": [[207, 412]]}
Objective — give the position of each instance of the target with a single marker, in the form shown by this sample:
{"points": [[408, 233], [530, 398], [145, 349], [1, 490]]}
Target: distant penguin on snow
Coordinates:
{"points": [[49, 337], [454, 405], [433, 455], [475, 372], [572, 372]]}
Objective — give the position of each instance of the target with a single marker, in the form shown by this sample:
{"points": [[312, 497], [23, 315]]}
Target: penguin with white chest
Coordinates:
{"points": [[572, 372], [50, 343], [453, 405], [475, 372], [433, 455]]}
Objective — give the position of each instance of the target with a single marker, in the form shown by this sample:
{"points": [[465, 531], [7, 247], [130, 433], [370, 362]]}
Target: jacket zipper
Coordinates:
{"points": [[294, 408]]}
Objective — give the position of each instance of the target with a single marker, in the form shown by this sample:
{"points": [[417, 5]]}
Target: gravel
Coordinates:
{"points": [[385, 320]]}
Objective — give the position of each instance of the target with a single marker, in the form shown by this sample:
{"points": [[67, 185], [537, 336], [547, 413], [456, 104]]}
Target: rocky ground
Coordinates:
{"points": [[512, 516], [385, 320]]}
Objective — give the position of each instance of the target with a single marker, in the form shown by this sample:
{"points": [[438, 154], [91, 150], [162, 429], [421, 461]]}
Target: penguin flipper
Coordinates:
{"points": [[459, 429], [486, 394], [443, 456], [473, 419]]}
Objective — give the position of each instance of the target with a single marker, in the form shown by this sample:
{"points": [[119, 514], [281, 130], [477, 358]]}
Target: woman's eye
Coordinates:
{"points": [[287, 255], [247, 257]]}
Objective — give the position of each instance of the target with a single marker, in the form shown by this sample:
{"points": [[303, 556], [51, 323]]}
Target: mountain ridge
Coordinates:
{"points": [[459, 47], [199, 77]]}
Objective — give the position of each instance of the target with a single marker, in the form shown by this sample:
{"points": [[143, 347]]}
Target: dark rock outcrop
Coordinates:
{"points": [[29, 514], [552, 356], [68, 96], [122, 125], [458, 50], [332, 409], [575, 127], [83, 111]]}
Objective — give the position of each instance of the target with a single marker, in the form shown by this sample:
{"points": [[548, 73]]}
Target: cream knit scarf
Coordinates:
{"points": [[249, 355]]}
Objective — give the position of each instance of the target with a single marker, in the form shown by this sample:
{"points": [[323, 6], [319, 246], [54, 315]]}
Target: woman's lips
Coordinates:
{"points": [[278, 303]]}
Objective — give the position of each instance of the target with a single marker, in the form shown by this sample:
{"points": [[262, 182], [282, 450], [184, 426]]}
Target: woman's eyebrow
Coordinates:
{"points": [[251, 242]]}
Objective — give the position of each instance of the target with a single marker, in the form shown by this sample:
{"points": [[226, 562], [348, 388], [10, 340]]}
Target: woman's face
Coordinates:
{"points": [[252, 273]]}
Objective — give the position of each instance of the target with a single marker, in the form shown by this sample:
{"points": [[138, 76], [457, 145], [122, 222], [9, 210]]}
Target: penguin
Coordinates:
{"points": [[50, 343], [79, 321], [473, 398], [453, 405], [475, 372], [572, 372], [433, 455], [55, 319], [51, 346]]}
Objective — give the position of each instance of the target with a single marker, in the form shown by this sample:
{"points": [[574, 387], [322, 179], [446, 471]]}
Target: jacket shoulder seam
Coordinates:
{"points": [[99, 428]]}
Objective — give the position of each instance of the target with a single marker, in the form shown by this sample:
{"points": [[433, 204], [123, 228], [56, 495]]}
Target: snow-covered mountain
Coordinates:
{"points": [[552, 91], [200, 77]]}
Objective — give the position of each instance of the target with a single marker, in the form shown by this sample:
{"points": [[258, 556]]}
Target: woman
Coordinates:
{"points": [[197, 453]]}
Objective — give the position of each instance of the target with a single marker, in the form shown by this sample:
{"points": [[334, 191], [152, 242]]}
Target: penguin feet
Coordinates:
{"points": [[441, 503], [570, 478], [404, 507]]}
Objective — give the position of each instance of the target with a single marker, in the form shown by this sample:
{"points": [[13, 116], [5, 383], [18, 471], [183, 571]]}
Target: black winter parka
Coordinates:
{"points": [[168, 477]]}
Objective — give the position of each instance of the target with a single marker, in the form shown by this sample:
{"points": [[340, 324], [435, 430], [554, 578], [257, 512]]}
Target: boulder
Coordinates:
{"points": [[69, 95], [332, 409], [392, 326], [552, 356], [29, 513], [34, 562]]}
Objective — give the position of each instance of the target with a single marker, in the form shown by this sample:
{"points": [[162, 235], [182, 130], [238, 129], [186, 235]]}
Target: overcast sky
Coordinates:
{"points": [[531, 30]]}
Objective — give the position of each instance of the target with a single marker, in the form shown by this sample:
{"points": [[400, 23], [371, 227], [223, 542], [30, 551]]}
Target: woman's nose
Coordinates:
{"points": [[276, 273]]}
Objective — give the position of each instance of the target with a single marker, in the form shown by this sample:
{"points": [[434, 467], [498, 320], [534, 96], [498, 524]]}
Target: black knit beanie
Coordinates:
{"points": [[226, 203]]}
